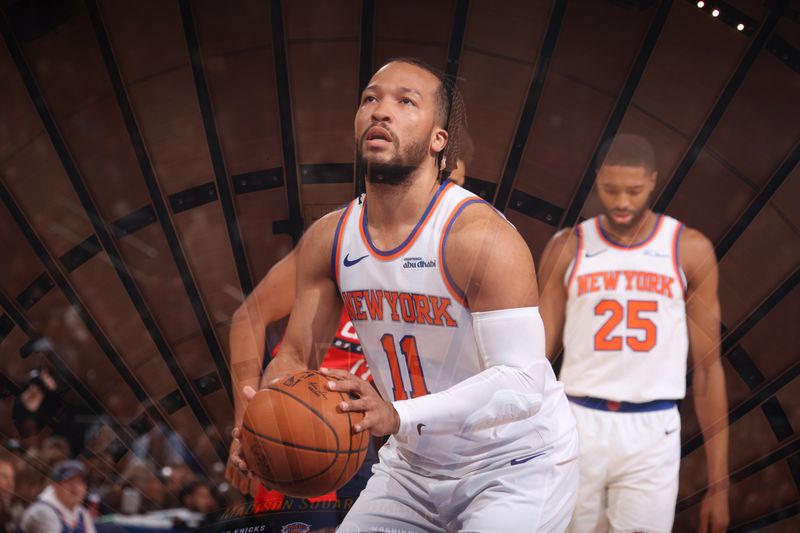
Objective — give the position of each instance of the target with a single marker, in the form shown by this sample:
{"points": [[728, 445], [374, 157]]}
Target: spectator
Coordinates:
{"points": [[30, 480], [55, 449], [60, 506], [197, 497], [35, 407]]}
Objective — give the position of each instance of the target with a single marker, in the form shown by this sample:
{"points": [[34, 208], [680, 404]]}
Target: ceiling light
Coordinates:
{"points": [[740, 26], [715, 13], [701, 4]]}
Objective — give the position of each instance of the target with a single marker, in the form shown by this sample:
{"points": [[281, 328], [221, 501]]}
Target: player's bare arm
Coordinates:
{"points": [[315, 314], [271, 300], [317, 306], [708, 379], [555, 260]]}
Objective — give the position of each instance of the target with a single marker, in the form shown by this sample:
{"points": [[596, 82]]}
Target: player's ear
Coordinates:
{"points": [[439, 140]]}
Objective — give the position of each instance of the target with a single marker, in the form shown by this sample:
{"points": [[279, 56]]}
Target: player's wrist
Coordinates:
{"points": [[395, 419]]}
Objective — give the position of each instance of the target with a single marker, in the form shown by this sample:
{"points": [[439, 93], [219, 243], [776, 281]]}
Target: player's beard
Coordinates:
{"points": [[634, 224], [398, 169]]}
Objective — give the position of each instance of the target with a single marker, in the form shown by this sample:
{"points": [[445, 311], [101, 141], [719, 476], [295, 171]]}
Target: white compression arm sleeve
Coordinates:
{"points": [[511, 343]]}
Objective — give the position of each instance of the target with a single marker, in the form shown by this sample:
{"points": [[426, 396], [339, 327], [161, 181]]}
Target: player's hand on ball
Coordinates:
{"points": [[234, 476], [380, 417], [237, 472]]}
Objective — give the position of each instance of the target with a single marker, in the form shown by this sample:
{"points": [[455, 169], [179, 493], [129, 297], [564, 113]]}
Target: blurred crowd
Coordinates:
{"points": [[49, 476]]}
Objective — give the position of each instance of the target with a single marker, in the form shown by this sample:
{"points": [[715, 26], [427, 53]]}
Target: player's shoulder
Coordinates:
{"points": [[325, 227], [564, 237], [692, 240], [480, 221], [317, 242], [694, 246]]}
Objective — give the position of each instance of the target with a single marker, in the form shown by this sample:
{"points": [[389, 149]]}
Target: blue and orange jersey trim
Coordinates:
{"points": [[611, 242], [578, 253], [389, 255], [449, 282], [676, 258], [337, 242]]}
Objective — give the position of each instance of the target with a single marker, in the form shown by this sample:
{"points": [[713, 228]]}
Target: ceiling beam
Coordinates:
{"points": [[759, 202], [156, 197], [295, 223], [509, 175], [104, 235], [724, 100], [573, 212], [214, 147]]}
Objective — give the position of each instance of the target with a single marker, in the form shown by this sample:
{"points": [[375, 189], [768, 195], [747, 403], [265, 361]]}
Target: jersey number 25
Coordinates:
{"points": [[605, 342]]}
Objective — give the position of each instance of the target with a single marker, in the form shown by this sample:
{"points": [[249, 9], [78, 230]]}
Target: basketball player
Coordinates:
{"points": [[632, 291], [270, 301], [442, 292]]}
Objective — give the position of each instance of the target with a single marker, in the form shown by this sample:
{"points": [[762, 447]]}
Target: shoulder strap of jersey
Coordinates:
{"points": [[336, 247], [579, 246]]}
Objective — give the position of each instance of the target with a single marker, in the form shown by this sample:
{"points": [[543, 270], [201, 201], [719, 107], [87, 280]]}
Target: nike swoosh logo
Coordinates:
{"points": [[596, 253], [348, 262], [670, 431], [419, 428], [521, 460]]}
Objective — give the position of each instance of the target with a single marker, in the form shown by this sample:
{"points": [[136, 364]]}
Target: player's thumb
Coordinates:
{"points": [[249, 392]]}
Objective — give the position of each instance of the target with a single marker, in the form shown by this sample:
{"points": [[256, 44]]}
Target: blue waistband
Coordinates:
{"points": [[622, 407]]}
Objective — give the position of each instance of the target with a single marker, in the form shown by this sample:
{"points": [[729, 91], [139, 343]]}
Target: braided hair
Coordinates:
{"points": [[451, 115]]}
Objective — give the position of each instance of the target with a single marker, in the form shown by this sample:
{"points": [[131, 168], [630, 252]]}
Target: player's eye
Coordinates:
{"points": [[407, 101], [369, 99]]}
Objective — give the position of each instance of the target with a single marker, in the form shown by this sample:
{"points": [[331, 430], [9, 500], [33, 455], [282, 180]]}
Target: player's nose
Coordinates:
{"points": [[380, 112], [622, 202]]}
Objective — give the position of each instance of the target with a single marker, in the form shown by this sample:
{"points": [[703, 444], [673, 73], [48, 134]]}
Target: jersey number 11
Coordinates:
{"points": [[408, 347]]}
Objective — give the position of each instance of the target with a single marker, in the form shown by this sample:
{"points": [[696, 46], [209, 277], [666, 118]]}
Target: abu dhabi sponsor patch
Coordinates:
{"points": [[418, 262]]}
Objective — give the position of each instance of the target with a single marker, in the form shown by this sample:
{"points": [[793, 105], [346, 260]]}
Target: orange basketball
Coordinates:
{"points": [[297, 441]]}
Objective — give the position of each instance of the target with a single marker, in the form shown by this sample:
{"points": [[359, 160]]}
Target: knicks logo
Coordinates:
{"points": [[296, 527], [402, 307]]}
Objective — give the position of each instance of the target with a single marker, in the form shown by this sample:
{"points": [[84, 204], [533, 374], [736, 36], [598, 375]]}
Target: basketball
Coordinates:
{"points": [[297, 441]]}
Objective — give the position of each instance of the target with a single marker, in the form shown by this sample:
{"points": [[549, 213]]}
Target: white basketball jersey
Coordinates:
{"points": [[625, 335], [416, 329]]}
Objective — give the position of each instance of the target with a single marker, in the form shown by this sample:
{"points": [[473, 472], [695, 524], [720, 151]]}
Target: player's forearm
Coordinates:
{"points": [[711, 406], [286, 361], [511, 343], [247, 346], [496, 396]]}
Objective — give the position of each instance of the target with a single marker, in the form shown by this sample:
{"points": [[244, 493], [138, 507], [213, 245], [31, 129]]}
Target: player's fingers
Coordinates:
{"points": [[355, 405], [253, 487], [346, 384], [720, 524], [364, 425], [249, 392], [703, 526], [243, 484], [230, 472], [335, 372]]}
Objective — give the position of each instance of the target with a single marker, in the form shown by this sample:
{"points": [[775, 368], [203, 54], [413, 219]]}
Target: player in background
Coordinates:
{"points": [[442, 291], [629, 292]]}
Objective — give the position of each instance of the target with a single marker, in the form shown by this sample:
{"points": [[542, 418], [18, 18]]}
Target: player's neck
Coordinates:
{"points": [[395, 208], [633, 234]]}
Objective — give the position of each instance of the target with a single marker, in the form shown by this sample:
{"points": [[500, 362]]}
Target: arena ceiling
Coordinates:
{"points": [[157, 157]]}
